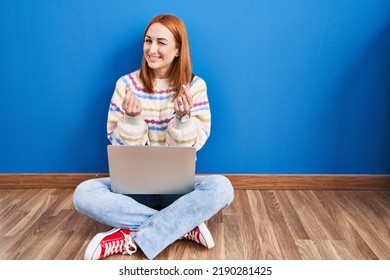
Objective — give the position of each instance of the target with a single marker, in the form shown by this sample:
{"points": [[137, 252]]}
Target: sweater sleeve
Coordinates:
{"points": [[121, 128], [196, 131]]}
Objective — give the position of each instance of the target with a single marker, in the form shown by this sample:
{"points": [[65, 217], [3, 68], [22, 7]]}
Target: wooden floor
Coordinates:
{"points": [[42, 224]]}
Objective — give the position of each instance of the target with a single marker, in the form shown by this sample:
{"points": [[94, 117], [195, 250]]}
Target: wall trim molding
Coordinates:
{"points": [[311, 181], [239, 181]]}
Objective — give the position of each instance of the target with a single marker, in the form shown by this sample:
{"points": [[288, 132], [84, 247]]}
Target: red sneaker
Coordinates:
{"points": [[201, 235], [108, 243]]}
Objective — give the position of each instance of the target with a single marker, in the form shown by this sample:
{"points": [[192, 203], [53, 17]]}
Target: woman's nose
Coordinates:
{"points": [[153, 48]]}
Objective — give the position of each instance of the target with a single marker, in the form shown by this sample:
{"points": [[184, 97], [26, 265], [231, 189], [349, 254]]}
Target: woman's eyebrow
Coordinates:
{"points": [[158, 39]]}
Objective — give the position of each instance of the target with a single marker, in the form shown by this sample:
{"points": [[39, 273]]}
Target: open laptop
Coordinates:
{"points": [[151, 169]]}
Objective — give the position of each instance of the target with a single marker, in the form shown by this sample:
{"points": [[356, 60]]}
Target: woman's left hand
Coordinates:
{"points": [[184, 103]]}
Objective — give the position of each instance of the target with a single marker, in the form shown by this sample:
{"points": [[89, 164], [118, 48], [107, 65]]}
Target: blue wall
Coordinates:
{"points": [[294, 86]]}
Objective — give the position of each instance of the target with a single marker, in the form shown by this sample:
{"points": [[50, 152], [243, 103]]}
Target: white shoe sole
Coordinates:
{"points": [[206, 235], [93, 246]]}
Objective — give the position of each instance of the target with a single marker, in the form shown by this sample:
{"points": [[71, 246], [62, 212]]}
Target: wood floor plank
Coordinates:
{"points": [[33, 212], [259, 224], [311, 224], [349, 234], [6, 242], [308, 250], [371, 230], [374, 202], [333, 250], [283, 234], [325, 222], [217, 231], [9, 220], [268, 243], [325, 250], [239, 228], [292, 219]]}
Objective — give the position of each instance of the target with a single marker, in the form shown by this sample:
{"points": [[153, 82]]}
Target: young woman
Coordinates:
{"points": [[162, 103]]}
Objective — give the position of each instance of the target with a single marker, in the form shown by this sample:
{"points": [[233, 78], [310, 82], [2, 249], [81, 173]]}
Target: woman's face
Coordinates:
{"points": [[160, 49]]}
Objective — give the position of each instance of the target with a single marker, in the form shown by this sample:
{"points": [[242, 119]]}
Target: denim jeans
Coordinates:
{"points": [[158, 219]]}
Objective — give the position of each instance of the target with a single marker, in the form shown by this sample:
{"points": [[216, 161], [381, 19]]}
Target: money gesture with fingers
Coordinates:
{"points": [[184, 103], [131, 104]]}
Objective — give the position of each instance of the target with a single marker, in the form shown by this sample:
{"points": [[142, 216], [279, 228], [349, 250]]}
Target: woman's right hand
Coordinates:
{"points": [[131, 104]]}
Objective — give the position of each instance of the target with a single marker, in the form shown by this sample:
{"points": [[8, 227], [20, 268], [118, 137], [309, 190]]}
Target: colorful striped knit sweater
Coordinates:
{"points": [[157, 126]]}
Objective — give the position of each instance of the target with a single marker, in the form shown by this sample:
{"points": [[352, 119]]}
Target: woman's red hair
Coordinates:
{"points": [[180, 72]]}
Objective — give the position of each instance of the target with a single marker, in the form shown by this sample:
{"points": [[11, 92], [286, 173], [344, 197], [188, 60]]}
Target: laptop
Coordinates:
{"points": [[151, 169]]}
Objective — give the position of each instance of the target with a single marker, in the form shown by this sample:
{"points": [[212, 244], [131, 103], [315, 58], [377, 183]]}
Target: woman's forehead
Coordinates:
{"points": [[159, 31]]}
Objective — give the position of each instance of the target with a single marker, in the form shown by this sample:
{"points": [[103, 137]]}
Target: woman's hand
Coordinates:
{"points": [[131, 104], [184, 103]]}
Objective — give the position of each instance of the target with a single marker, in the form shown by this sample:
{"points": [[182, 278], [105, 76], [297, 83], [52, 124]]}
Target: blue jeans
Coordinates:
{"points": [[158, 219]]}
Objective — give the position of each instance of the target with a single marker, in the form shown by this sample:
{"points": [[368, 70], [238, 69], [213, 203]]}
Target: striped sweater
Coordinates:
{"points": [[157, 126]]}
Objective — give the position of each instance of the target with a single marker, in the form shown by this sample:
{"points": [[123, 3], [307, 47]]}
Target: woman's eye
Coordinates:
{"points": [[149, 41]]}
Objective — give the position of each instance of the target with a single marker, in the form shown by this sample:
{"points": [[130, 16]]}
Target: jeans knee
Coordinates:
{"points": [[80, 195], [224, 189], [77, 196]]}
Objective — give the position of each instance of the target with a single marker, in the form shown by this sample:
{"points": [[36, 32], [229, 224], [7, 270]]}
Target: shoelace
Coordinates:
{"points": [[116, 247], [130, 247], [193, 235]]}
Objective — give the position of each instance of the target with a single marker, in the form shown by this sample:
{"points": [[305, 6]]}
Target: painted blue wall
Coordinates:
{"points": [[294, 86]]}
